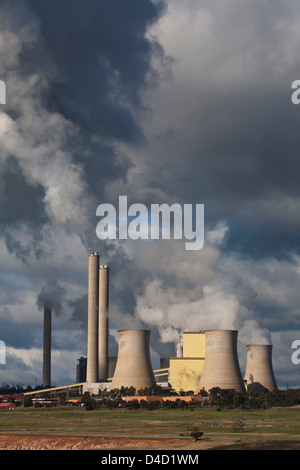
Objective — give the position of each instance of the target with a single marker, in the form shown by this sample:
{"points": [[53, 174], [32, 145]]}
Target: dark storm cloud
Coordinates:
{"points": [[84, 123], [84, 64], [235, 142], [252, 165], [22, 337], [19, 201], [79, 308], [104, 60]]}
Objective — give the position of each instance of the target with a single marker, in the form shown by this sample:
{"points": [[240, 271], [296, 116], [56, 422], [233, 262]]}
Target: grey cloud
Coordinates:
{"points": [[52, 294], [72, 64], [234, 141], [104, 58], [92, 114], [22, 337]]}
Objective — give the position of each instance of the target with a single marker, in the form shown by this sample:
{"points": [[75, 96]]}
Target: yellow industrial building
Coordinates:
{"points": [[185, 369]]}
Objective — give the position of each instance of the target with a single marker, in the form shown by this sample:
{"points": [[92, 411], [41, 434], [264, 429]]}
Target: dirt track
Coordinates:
{"points": [[22, 442], [9, 442]]}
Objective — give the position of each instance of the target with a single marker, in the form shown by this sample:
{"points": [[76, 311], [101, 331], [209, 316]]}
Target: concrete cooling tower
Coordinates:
{"points": [[221, 367], [259, 369], [133, 368]]}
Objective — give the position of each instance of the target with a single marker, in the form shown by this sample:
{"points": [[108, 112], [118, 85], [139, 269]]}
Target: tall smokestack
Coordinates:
{"points": [[47, 344], [103, 323], [259, 369], [221, 367], [92, 337], [133, 368]]}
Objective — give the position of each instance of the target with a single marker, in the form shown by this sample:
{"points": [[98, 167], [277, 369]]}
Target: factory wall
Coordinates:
{"points": [[185, 370], [184, 373], [193, 344]]}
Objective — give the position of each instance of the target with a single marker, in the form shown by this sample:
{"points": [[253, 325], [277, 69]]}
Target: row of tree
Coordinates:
{"points": [[266, 399], [17, 389], [216, 397], [224, 398]]}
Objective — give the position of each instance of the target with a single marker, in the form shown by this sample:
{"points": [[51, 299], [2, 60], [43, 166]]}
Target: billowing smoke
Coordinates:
{"points": [[51, 295], [201, 294], [65, 111], [38, 138]]}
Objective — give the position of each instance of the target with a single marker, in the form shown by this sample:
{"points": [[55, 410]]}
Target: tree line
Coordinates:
{"points": [[216, 397]]}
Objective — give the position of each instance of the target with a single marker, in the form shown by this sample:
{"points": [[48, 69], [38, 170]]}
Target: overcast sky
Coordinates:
{"points": [[179, 101]]}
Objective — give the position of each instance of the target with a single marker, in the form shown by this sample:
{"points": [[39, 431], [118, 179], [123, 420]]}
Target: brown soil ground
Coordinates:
{"points": [[40, 442]]}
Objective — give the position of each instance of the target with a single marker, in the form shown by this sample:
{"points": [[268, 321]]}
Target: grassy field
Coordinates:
{"points": [[63, 420]]}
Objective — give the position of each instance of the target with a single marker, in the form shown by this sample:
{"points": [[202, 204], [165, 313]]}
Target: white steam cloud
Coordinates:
{"points": [[38, 138], [203, 296]]}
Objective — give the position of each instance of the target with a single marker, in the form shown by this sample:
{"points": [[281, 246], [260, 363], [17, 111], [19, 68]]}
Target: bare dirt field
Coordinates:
{"points": [[43, 442], [67, 428]]}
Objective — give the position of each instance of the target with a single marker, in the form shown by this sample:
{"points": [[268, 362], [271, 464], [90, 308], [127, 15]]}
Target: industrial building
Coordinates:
{"points": [[186, 368], [81, 370], [205, 359]]}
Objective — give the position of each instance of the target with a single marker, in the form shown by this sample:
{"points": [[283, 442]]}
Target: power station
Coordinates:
{"points": [[205, 359]]}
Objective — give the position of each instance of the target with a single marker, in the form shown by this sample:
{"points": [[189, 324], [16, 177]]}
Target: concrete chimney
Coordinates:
{"points": [[92, 336], [221, 367], [133, 368], [259, 369], [47, 344], [103, 323]]}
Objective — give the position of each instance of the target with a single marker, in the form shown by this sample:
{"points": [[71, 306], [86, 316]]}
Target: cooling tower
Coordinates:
{"points": [[221, 367], [133, 368], [112, 361], [259, 369], [47, 345], [103, 324], [92, 335]]}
